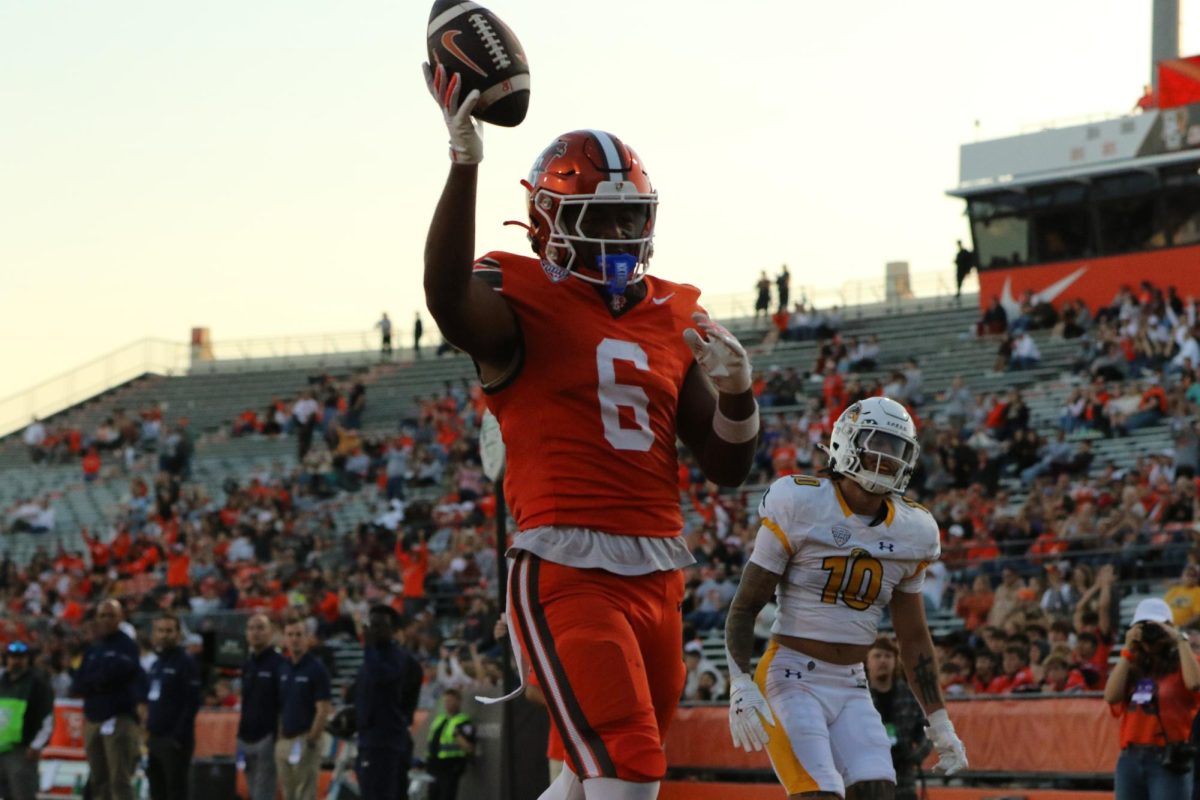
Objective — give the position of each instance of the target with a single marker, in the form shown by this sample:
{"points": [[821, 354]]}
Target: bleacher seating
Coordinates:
{"points": [[939, 337]]}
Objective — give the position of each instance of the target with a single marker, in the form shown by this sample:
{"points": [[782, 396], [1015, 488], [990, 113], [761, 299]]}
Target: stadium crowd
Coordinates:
{"points": [[1039, 540]]}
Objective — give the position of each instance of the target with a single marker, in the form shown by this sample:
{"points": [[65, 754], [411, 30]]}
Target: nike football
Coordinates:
{"points": [[466, 38]]}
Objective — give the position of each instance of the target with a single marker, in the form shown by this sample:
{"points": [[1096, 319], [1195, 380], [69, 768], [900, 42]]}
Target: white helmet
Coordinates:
{"points": [[869, 434]]}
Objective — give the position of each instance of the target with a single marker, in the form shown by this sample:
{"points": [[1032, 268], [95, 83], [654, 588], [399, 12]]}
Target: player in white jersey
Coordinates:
{"points": [[835, 551]]}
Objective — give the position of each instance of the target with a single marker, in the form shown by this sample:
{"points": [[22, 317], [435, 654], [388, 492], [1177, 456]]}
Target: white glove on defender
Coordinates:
{"points": [[952, 756], [466, 146], [720, 355], [748, 710]]}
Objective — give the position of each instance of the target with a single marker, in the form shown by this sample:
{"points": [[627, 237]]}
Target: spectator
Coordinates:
{"points": [[1017, 676], [385, 695], [1007, 596], [173, 700], [1184, 598], [958, 401], [1155, 691], [975, 605], [304, 417], [27, 696], [985, 672], [34, 517], [1149, 410], [414, 568], [762, 303], [696, 666], [1060, 678], [964, 262], [90, 465], [385, 336], [714, 594], [418, 331], [111, 682], [783, 283], [451, 743], [994, 321], [34, 438], [901, 714], [259, 721], [801, 326], [304, 700], [1025, 354]]}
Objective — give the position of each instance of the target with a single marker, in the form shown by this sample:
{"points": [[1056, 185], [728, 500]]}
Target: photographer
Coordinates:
{"points": [[1155, 690], [901, 714]]}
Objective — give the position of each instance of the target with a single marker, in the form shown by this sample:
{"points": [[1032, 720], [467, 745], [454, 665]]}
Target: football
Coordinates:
{"points": [[466, 38]]}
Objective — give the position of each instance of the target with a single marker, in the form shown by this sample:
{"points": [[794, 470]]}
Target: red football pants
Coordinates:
{"points": [[606, 651]]}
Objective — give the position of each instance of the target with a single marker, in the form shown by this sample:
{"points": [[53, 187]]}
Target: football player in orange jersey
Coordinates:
{"points": [[593, 369]]}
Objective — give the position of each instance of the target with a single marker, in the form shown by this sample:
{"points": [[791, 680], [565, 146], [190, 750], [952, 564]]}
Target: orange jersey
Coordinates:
{"points": [[589, 418]]}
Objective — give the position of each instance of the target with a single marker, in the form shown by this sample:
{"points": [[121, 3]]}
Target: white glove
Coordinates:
{"points": [[952, 756], [466, 145], [720, 355], [748, 710]]}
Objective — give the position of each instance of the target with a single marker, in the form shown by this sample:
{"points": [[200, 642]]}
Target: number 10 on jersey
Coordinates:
{"points": [[856, 579]]}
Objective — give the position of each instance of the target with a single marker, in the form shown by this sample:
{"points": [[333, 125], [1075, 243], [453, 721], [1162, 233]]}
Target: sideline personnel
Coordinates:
{"points": [[304, 695], [173, 700], [451, 743], [111, 682], [260, 708], [27, 714], [386, 691]]}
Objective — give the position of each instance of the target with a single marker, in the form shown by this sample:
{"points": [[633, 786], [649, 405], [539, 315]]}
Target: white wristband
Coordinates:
{"points": [[735, 432]]}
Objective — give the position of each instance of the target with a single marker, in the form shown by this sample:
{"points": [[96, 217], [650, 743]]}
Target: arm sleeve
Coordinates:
{"points": [[185, 728], [914, 582], [42, 706], [321, 687], [773, 546], [411, 693]]}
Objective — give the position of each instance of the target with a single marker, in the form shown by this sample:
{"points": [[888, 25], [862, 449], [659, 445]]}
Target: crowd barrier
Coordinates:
{"points": [[1038, 735], [688, 790], [1060, 735]]}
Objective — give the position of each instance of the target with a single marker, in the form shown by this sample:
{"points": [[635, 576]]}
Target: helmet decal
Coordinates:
{"points": [[874, 443]]}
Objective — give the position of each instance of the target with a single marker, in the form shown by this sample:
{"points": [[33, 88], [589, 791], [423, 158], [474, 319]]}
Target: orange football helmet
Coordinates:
{"points": [[589, 195]]}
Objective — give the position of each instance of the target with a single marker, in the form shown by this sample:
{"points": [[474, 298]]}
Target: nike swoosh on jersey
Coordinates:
{"points": [[448, 42], [658, 301]]}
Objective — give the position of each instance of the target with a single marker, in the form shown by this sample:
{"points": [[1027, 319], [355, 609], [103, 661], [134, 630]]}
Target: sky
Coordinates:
{"points": [[269, 167]]}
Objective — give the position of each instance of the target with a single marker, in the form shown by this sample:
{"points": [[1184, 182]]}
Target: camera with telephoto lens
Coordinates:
{"points": [[1178, 756], [1152, 632]]}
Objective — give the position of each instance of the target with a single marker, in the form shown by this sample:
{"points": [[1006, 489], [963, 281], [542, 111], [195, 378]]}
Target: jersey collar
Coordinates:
{"points": [[888, 517]]}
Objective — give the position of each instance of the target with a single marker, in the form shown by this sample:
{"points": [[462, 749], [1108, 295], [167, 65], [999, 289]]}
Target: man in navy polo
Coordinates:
{"points": [[386, 691], [260, 707], [304, 707], [112, 684], [173, 700]]}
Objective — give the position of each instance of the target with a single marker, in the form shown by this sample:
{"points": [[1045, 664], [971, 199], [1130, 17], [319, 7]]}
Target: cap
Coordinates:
{"points": [[693, 647], [17, 648], [1152, 609]]}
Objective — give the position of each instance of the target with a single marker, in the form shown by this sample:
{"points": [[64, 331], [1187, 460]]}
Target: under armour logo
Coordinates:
{"points": [[891, 548], [792, 673]]}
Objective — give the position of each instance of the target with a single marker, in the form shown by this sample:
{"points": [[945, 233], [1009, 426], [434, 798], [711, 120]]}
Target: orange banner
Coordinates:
{"points": [[1039, 735], [1096, 280], [687, 790]]}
